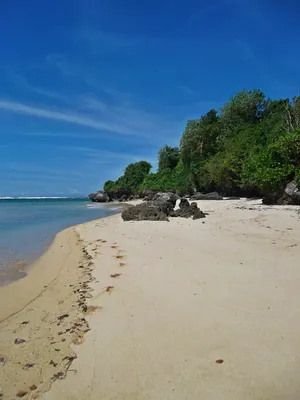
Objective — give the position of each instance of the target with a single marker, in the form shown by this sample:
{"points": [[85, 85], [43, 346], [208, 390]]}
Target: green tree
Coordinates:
{"points": [[168, 158], [251, 146], [273, 166], [247, 106], [199, 143], [130, 181]]}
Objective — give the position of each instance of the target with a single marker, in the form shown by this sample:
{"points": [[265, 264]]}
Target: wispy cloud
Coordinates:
{"points": [[104, 156], [73, 191], [186, 90], [88, 110], [60, 62], [37, 169], [145, 122], [65, 116], [75, 135], [50, 94], [21, 82], [94, 40]]}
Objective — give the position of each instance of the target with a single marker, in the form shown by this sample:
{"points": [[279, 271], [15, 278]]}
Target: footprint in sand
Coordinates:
{"points": [[120, 256], [116, 275]]}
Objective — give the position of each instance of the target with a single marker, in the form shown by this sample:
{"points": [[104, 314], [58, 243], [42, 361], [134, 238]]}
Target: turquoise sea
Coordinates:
{"points": [[29, 225]]}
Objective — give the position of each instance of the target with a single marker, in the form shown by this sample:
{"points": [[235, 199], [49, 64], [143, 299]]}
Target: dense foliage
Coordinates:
{"points": [[250, 146], [130, 182]]}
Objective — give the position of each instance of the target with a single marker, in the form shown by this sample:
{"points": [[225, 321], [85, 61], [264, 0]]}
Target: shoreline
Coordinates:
{"points": [[184, 294], [18, 258], [23, 290], [41, 317], [56, 285], [144, 256]]}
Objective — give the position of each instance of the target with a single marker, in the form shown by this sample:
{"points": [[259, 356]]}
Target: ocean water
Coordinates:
{"points": [[29, 225]]}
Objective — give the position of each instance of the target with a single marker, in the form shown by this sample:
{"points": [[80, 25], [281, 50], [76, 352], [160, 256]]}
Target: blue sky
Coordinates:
{"points": [[88, 86]]}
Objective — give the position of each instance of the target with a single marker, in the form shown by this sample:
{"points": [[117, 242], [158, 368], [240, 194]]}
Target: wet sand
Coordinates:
{"points": [[41, 316]]}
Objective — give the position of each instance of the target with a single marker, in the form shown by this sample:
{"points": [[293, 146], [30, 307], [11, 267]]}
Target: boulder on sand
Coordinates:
{"points": [[290, 196], [159, 210], [99, 197], [208, 196], [187, 210], [146, 212], [147, 195], [168, 196]]}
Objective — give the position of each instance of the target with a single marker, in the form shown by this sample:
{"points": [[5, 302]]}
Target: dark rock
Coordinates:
{"points": [[147, 195], [197, 214], [184, 203], [293, 192], [171, 197], [19, 341], [187, 211], [290, 196], [123, 198], [145, 212], [29, 365], [159, 210], [22, 393], [99, 197], [270, 199], [208, 196], [291, 188], [163, 206]]}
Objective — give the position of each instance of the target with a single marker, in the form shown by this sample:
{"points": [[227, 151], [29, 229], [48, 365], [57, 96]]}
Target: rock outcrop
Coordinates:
{"points": [[145, 212], [123, 198], [147, 195], [159, 210], [290, 196], [99, 197], [168, 196], [187, 210], [208, 196]]}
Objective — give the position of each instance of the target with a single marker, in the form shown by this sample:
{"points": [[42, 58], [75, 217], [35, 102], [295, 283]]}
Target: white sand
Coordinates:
{"points": [[191, 293]]}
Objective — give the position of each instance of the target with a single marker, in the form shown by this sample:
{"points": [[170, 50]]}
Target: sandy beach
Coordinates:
{"points": [[204, 309]]}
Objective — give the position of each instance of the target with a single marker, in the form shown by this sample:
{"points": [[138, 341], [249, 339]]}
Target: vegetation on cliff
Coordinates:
{"points": [[250, 146]]}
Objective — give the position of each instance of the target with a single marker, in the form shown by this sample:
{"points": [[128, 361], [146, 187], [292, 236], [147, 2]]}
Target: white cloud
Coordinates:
{"points": [[65, 116], [73, 191], [104, 156], [88, 110], [50, 94], [186, 90]]}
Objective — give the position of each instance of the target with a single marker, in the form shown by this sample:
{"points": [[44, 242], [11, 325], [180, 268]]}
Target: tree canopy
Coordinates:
{"points": [[250, 146]]}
